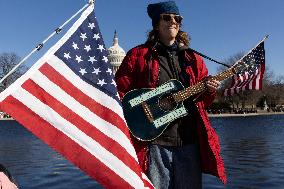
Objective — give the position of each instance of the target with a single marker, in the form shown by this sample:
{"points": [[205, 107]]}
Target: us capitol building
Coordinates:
{"points": [[115, 54]]}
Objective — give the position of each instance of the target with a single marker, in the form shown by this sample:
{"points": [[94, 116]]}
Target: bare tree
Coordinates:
{"points": [[235, 100], [7, 63], [273, 89]]}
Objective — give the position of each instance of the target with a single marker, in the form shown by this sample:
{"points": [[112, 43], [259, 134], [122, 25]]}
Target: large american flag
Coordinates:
{"points": [[69, 100], [251, 79]]}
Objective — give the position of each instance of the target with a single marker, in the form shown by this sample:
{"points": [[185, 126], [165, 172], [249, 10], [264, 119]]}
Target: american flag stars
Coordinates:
{"points": [[91, 25], [85, 53], [96, 71], [67, 55], [113, 83], [109, 71], [83, 36], [82, 71], [96, 36], [92, 59], [101, 82], [78, 58], [101, 48], [87, 48], [105, 59], [75, 46]]}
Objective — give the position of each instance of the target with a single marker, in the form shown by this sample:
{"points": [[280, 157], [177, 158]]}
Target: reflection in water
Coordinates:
{"points": [[252, 149], [248, 159]]}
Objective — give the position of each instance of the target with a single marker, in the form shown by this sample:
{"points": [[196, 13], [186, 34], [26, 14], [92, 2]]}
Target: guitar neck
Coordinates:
{"points": [[201, 86]]}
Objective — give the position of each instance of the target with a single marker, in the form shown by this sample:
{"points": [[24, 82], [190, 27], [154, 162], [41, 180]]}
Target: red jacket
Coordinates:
{"points": [[134, 72]]}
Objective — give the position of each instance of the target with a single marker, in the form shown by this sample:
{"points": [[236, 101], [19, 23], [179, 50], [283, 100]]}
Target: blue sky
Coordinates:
{"points": [[219, 29]]}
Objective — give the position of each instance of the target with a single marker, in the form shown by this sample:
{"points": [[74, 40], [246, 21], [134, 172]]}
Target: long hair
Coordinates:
{"points": [[182, 37]]}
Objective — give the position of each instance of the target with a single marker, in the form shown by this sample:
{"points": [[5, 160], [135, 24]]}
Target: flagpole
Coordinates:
{"points": [[265, 37], [39, 46]]}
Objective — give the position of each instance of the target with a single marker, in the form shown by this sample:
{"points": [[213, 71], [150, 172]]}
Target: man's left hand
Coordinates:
{"points": [[212, 85]]}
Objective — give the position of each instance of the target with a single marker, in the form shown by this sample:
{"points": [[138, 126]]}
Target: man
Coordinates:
{"points": [[189, 145]]}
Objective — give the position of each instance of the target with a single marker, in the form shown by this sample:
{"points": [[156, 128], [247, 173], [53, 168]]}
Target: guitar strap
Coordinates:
{"points": [[207, 57], [200, 54], [149, 62]]}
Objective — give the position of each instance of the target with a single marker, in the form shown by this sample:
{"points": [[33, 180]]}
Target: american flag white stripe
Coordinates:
{"points": [[241, 79], [250, 85], [114, 133], [257, 81], [234, 84], [246, 80], [251, 82]]}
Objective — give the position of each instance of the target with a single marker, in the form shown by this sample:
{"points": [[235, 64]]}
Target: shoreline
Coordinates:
{"points": [[245, 115], [211, 115]]}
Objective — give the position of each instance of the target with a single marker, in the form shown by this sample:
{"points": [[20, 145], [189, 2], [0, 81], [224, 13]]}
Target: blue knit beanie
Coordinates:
{"points": [[154, 10]]}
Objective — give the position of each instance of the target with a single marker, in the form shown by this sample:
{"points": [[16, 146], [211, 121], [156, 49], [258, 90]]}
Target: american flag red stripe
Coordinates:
{"points": [[249, 80], [80, 117]]}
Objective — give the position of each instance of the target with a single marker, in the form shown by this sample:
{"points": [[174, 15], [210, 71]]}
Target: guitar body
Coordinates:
{"points": [[148, 112]]}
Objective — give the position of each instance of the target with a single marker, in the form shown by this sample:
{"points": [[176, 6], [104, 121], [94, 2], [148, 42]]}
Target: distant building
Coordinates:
{"points": [[116, 54]]}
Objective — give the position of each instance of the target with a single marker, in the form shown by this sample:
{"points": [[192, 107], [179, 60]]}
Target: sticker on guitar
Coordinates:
{"points": [[155, 92]]}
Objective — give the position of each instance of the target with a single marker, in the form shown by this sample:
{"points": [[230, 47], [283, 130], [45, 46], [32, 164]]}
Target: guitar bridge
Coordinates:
{"points": [[147, 112]]}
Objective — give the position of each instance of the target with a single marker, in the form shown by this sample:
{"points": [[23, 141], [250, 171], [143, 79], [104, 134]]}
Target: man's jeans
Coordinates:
{"points": [[175, 167]]}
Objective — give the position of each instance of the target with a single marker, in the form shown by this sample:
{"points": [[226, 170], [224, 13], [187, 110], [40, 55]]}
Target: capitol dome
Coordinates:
{"points": [[115, 54]]}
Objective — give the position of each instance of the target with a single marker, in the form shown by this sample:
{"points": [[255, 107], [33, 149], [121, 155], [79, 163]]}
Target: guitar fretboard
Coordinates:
{"points": [[201, 86]]}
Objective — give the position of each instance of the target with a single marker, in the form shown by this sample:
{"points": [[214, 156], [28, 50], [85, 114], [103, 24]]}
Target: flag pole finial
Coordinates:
{"points": [[91, 2]]}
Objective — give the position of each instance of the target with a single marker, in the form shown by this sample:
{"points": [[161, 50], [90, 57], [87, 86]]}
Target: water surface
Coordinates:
{"points": [[252, 148]]}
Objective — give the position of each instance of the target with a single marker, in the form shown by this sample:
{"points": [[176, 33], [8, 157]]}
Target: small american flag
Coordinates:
{"points": [[69, 100], [251, 79]]}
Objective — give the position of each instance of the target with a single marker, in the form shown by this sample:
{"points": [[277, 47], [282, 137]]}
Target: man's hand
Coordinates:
{"points": [[212, 84]]}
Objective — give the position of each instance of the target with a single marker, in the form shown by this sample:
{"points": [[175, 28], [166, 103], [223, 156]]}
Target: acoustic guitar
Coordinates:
{"points": [[149, 111]]}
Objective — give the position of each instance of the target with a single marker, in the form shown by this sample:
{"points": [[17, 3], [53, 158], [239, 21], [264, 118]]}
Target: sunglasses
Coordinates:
{"points": [[168, 17]]}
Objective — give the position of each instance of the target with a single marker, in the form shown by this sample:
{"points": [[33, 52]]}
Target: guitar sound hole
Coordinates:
{"points": [[167, 103]]}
